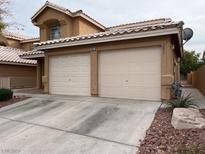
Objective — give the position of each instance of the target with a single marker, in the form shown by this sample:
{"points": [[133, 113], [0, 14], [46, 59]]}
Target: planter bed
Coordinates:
{"points": [[162, 138]]}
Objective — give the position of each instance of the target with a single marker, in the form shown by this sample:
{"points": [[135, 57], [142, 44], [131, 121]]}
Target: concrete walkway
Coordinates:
{"points": [[199, 98], [48, 124]]}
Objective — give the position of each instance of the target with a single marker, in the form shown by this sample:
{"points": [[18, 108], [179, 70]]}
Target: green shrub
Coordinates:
{"points": [[182, 102], [5, 94]]}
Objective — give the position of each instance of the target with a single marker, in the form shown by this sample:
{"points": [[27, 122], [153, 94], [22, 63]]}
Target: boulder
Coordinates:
{"points": [[186, 118]]}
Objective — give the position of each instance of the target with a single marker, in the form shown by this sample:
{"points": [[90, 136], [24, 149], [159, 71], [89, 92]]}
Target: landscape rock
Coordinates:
{"points": [[187, 118]]}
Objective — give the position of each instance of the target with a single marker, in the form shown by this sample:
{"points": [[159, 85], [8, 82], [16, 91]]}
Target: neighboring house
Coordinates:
{"points": [[79, 56], [16, 72], [18, 41]]}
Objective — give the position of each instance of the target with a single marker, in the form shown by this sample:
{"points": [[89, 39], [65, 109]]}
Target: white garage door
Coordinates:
{"points": [[69, 74], [131, 73]]}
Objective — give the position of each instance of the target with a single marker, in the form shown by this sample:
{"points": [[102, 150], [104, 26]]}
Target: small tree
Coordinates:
{"points": [[190, 62], [3, 13]]}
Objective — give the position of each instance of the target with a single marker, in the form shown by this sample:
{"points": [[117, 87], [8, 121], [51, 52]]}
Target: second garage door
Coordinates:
{"points": [[131, 73], [70, 74]]}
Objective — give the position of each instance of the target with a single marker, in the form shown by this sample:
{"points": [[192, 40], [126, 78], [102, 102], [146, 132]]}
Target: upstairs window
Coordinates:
{"points": [[55, 31]]}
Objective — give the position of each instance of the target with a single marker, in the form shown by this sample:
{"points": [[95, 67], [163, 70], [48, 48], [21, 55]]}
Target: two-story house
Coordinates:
{"points": [[79, 56], [16, 72]]}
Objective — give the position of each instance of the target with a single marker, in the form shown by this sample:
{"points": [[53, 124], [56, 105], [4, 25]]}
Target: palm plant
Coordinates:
{"points": [[182, 102]]}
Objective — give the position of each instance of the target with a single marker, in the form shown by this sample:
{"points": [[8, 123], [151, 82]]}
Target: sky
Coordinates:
{"points": [[114, 12]]}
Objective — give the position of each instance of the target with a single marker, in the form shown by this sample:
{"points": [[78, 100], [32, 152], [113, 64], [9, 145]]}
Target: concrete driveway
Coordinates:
{"points": [[74, 125], [198, 97]]}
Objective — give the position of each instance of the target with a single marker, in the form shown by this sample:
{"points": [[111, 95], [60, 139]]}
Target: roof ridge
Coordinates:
{"points": [[113, 33], [67, 11], [142, 26], [15, 35], [14, 49], [141, 22], [59, 6]]}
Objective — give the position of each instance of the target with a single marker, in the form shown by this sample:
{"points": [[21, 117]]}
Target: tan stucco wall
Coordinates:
{"points": [[70, 26], [40, 72], [10, 42], [86, 27], [27, 46], [19, 76], [50, 16], [13, 43], [76, 25], [22, 82], [167, 62], [17, 71]]}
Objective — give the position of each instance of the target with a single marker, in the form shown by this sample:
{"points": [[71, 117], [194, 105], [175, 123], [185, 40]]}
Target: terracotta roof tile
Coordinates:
{"points": [[120, 30], [31, 53], [57, 6], [11, 55], [16, 36], [141, 23], [67, 11]]}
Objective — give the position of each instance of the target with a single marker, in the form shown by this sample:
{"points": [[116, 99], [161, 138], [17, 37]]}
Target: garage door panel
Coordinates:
{"points": [[71, 69], [130, 68], [65, 91], [146, 94], [131, 73], [70, 74], [131, 79]]}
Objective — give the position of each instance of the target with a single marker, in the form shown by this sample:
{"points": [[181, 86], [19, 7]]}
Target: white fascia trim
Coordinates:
{"points": [[30, 40], [33, 56], [109, 39], [10, 37], [21, 64]]}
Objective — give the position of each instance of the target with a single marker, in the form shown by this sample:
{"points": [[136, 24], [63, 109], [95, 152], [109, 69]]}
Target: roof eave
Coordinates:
{"points": [[35, 56], [10, 37], [44, 7], [14, 63], [155, 33], [30, 40], [65, 12]]}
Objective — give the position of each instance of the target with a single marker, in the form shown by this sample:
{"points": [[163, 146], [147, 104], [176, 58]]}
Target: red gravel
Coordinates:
{"points": [[162, 138], [15, 99]]}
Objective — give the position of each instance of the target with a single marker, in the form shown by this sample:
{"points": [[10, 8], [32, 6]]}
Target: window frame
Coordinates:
{"points": [[53, 28]]}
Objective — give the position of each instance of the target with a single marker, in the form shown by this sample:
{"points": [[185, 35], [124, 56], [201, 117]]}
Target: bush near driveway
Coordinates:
{"points": [[5, 94], [182, 102]]}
